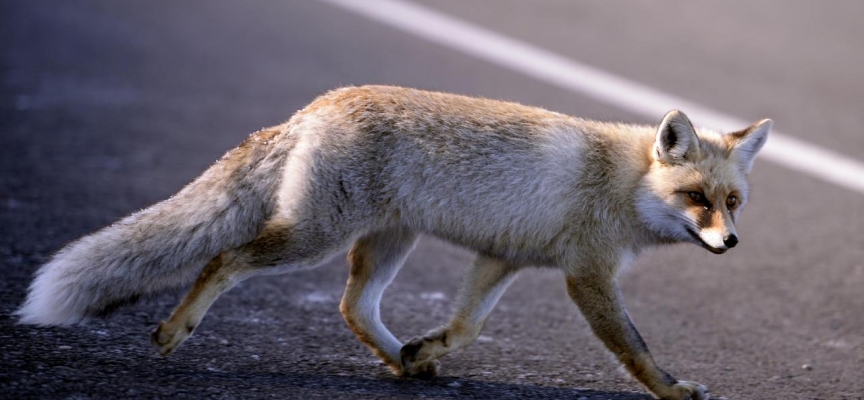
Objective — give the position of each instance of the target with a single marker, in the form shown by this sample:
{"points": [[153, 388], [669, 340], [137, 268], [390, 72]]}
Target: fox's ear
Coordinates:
{"points": [[676, 139], [743, 145]]}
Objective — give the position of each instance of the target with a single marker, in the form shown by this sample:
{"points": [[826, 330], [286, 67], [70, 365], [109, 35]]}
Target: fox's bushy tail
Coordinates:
{"points": [[165, 245]]}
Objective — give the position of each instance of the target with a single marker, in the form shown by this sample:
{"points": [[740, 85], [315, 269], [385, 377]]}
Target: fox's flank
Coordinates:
{"points": [[370, 168]]}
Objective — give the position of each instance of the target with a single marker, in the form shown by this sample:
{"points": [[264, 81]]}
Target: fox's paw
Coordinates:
{"points": [[421, 370], [418, 359], [167, 338], [685, 390]]}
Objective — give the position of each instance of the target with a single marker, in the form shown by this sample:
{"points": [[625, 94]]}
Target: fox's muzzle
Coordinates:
{"points": [[715, 240], [715, 230]]}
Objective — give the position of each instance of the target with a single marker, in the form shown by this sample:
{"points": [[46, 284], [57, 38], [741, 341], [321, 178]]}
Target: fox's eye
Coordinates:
{"points": [[731, 202], [696, 196]]}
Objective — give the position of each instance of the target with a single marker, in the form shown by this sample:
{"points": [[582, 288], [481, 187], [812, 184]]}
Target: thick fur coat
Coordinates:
{"points": [[372, 167]]}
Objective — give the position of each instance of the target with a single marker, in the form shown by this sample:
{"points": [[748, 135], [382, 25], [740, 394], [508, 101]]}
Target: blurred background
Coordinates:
{"points": [[109, 106]]}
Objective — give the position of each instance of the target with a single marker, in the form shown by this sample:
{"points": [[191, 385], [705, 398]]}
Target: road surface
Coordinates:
{"points": [[109, 106]]}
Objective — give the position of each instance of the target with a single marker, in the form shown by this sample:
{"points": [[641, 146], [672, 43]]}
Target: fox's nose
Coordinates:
{"points": [[730, 241]]}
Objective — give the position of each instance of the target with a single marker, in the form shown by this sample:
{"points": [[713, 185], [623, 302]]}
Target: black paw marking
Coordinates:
{"points": [[409, 351]]}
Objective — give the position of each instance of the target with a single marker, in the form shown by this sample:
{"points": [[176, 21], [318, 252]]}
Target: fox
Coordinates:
{"points": [[369, 168]]}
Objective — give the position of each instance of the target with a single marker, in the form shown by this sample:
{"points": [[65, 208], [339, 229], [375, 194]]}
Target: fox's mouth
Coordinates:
{"points": [[706, 246]]}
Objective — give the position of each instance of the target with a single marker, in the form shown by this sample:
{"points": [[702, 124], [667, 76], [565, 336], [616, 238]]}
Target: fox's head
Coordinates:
{"points": [[696, 185]]}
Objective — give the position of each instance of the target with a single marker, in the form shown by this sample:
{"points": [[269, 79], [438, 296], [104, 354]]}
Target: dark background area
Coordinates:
{"points": [[109, 106]]}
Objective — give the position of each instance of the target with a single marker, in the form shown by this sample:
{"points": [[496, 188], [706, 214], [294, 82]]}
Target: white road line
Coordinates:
{"points": [[634, 97]]}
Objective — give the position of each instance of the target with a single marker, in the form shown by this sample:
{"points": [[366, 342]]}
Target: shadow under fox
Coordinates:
{"points": [[372, 167]]}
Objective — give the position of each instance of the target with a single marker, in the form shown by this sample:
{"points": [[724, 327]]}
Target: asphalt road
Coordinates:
{"points": [[107, 107]]}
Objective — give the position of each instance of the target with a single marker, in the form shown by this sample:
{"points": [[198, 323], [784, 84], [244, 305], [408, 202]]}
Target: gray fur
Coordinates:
{"points": [[377, 165]]}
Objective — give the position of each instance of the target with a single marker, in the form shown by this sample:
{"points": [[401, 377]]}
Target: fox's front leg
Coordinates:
{"points": [[599, 299]]}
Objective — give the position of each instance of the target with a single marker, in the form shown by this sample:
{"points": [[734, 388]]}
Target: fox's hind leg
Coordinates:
{"points": [[374, 261], [218, 276], [279, 247], [486, 281]]}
